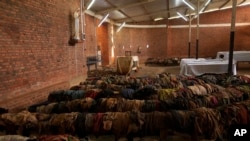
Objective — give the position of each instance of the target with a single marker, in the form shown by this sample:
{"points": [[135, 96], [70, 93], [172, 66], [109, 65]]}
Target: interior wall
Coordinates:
{"points": [[90, 42], [102, 43], [35, 55], [142, 42], [214, 33], [36, 58], [214, 36]]}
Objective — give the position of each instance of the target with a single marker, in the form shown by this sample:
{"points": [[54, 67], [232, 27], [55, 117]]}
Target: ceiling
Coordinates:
{"points": [[134, 11]]}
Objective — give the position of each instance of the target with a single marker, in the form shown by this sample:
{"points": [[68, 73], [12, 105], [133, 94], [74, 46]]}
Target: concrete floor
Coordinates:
{"points": [[242, 68]]}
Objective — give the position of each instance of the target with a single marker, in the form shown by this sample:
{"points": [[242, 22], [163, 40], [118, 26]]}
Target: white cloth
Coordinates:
{"points": [[237, 55], [135, 62], [196, 67]]}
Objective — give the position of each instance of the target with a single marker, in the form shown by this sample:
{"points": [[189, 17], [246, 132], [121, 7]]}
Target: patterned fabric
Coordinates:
{"points": [[208, 105], [57, 138], [16, 138]]}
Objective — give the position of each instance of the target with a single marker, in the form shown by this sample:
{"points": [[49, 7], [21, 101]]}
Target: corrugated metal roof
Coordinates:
{"points": [[131, 11]]}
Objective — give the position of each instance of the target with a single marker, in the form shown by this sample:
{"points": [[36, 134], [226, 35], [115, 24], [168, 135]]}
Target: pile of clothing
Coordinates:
{"points": [[202, 106], [163, 61]]}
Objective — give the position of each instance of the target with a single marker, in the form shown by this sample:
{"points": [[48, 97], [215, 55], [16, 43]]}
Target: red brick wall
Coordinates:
{"points": [[35, 57], [91, 38], [102, 42], [211, 39], [34, 50], [130, 39], [173, 42]]}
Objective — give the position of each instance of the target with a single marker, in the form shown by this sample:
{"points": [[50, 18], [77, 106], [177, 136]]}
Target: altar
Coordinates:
{"points": [[196, 67]]}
